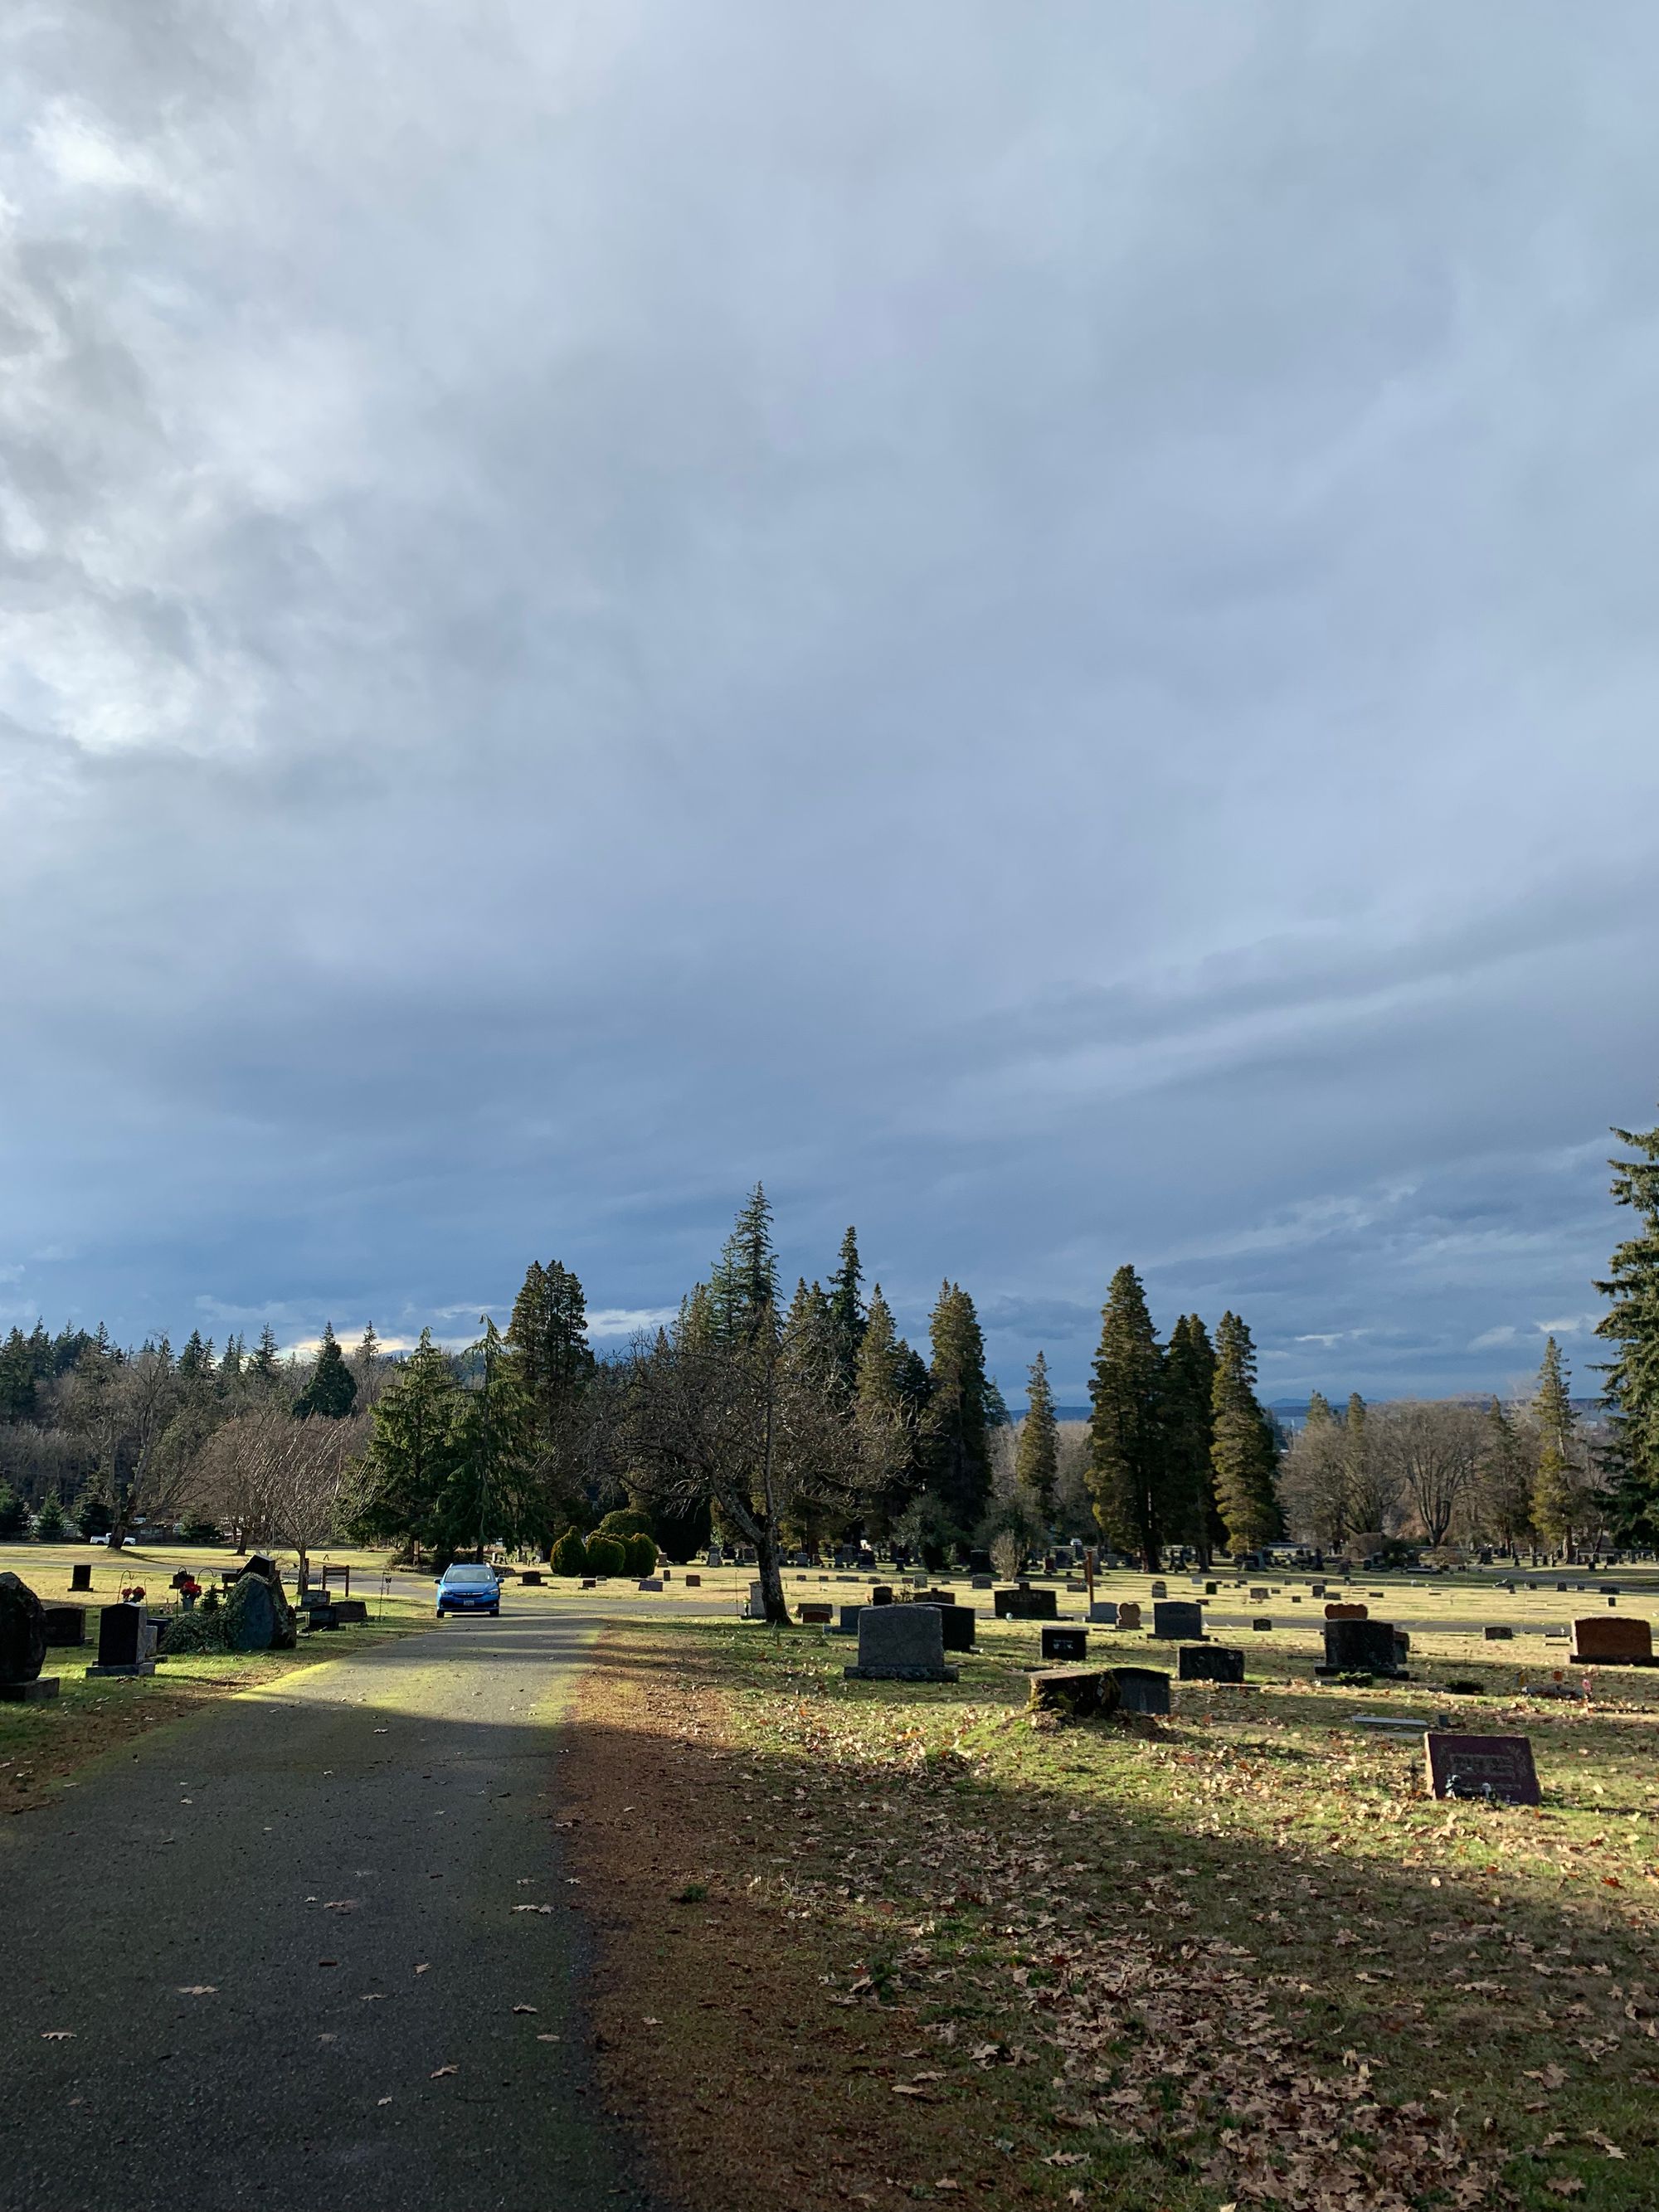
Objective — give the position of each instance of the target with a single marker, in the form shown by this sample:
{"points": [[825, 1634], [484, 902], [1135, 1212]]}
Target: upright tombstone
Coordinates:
{"points": [[1160, 1590], [1335, 1612], [957, 1622], [1209, 1663], [1065, 1643], [23, 1645], [900, 1644], [1599, 1642], [1181, 1620], [882, 1594], [126, 1641], [1498, 1768], [66, 1625], [1360, 1647], [81, 1576], [1024, 1603], [809, 1614], [250, 1617], [1497, 1633], [1141, 1689], [1102, 1613], [1128, 1614]]}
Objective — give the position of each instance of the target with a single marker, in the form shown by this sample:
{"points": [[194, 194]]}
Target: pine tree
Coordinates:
{"points": [[847, 1312], [955, 1450], [13, 1514], [332, 1390], [1036, 1456], [50, 1522], [1319, 1410], [230, 1366], [1243, 1453], [17, 1378], [414, 1459], [1129, 1463], [1189, 1386], [1505, 1485], [263, 1362], [196, 1360], [547, 1337], [744, 1287], [1557, 1490], [1632, 1328]]}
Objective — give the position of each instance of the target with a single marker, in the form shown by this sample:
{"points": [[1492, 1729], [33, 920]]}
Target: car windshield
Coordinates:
{"points": [[470, 1575]]}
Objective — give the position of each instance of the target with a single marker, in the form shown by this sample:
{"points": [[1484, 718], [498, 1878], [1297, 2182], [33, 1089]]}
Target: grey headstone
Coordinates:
{"points": [[1102, 1613], [1179, 1619], [1210, 1662], [1142, 1689], [250, 1616], [902, 1643], [1361, 1647]]}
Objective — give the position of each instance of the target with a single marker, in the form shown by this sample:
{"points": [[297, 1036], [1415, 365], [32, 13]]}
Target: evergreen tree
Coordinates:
{"points": [[1189, 1387], [50, 1522], [1036, 1456], [1505, 1482], [1128, 1461], [1558, 1501], [1243, 1452], [13, 1514], [956, 1450], [230, 1366], [744, 1287], [196, 1360], [1632, 1328], [547, 1336], [415, 1462], [264, 1363], [1319, 1410], [18, 1378], [332, 1390], [495, 1495], [892, 1390], [847, 1312]]}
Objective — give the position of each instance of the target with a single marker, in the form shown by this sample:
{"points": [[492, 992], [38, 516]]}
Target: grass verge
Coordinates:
{"points": [[873, 1939]]}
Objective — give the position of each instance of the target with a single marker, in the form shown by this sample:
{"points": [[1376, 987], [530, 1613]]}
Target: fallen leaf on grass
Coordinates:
{"points": [[524, 2008], [383, 2100], [438, 2072], [908, 2089], [341, 1904], [1566, 2184], [198, 1990], [548, 2038], [424, 1969], [58, 2035], [650, 2021], [532, 1908], [1603, 2142]]}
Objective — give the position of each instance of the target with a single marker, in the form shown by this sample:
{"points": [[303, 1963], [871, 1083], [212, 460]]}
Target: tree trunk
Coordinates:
{"points": [[771, 1576]]}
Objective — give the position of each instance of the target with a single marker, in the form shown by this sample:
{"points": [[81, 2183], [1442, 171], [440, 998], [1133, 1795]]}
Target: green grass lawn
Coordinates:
{"points": [[1236, 1956]]}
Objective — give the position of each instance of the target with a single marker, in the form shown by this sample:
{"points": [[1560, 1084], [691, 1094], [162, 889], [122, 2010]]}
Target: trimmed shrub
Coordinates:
{"points": [[639, 1554], [605, 1556], [569, 1555], [626, 1521], [194, 1632]]}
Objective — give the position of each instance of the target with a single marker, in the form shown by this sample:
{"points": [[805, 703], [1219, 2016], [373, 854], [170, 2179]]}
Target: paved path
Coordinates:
{"points": [[416, 1785]]}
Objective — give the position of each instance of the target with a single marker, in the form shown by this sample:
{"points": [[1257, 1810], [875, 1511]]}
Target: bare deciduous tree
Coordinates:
{"points": [[1433, 1449]]}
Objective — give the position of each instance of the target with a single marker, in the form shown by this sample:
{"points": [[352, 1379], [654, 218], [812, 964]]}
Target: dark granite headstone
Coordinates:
{"points": [[66, 1625], [1360, 1647], [1498, 1634], [1210, 1662], [957, 1622], [1141, 1689], [1490, 1766], [1598, 1641], [1262, 1625], [1024, 1603], [1335, 1612], [80, 1575], [126, 1642], [1065, 1643], [1178, 1619], [810, 1615], [249, 1618]]}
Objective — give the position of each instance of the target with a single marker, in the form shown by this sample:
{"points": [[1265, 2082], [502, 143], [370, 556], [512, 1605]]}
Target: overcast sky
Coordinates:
{"points": [[1034, 624]]}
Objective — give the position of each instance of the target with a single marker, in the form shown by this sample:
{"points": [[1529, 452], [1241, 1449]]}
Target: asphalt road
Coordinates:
{"points": [[334, 1863]]}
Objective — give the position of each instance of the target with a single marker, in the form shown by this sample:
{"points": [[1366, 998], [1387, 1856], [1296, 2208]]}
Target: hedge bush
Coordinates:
{"points": [[626, 1521], [640, 1554], [606, 1556], [569, 1555]]}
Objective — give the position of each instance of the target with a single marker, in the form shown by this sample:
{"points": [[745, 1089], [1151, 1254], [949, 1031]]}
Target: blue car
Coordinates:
{"points": [[466, 1587]]}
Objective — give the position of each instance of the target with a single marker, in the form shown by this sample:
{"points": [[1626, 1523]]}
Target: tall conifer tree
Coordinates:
{"points": [[955, 1445], [744, 1287], [1243, 1452], [1128, 1461], [1558, 1493], [1037, 1457], [847, 1312], [1189, 1420], [1632, 1328], [332, 1390]]}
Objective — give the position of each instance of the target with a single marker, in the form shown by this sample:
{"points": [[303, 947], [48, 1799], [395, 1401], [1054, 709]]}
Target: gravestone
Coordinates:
{"points": [[956, 1621], [1160, 1590], [1499, 1768], [1211, 1589], [654, 1582], [809, 1615], [882, 1594], [66, 1624], [1102, 1613], [1262, 1625], [1128, 1613], [1259, 1595], [126, 1642], [1065, 1643], [81, 1576], [317, 1616], [1178, 1619], [849, 1623], [22, 1643], [1142, 1690], [1360, 1647], [1074, 1693], [531, 1577], [1597, 1641], [694, 1581], [981, 1582], [1024, 1603], [1209, 1663], [714, 1557], [1496, 1634], [900, 1644], [1317, 1590], [589, 1582], [1347, 1613]]}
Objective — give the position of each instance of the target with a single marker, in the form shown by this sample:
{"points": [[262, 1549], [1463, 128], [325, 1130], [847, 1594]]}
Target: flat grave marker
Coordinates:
{"points": [[1499, 1768]]}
